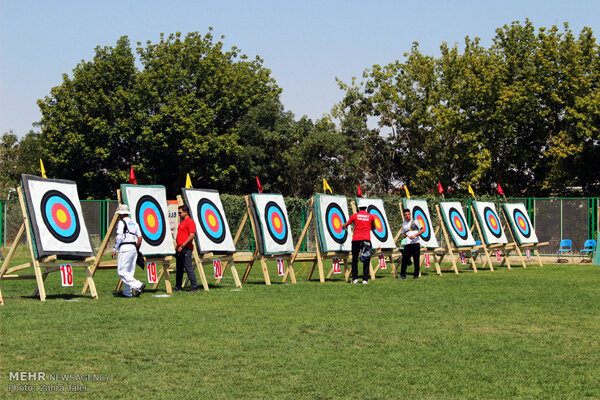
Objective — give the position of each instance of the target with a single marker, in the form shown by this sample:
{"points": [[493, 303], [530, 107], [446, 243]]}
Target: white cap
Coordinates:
{"points": [[123, 209], [361, 204]]}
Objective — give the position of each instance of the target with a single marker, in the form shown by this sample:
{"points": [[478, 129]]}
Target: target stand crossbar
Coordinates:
{"points": [[316, 257], [163, 261], [42, 266]]}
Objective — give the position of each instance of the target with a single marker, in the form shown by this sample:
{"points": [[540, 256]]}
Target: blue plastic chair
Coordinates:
{"points": [[587, 253], [565, 246]]}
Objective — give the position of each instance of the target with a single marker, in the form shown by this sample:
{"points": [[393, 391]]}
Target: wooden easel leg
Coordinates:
{"points": [[263, 264], [1, 298], [371, 271], [40, 281], [167, 275], [438, 262], [119, 285], [312, 269], [200, 269], [473, 265], [321, 271], [347, 270], [537, 252], [292, 274], [90, 282], [520, 252], [159, 278], [247, 272], [234, 273]]}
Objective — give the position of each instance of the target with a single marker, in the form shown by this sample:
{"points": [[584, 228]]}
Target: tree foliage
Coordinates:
{"points": [[523, 112]]}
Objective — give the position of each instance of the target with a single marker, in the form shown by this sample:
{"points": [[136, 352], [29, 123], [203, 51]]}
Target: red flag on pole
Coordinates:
{"points": [[259, 185], [132, 179], [358, 191], [500, 191], [440, 188]]}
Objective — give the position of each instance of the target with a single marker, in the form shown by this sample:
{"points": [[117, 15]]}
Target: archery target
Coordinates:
{"points": [[488, 218], [56, 217], [331, 213], [519, 221], [380, 232], [456, 223], [271, 217], [420, 213], [148, 206], [212, 229]]}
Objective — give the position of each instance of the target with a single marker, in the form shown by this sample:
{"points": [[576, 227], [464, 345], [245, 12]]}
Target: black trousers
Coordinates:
{"points": [[356, 246], [183, 260], [411, 250]]}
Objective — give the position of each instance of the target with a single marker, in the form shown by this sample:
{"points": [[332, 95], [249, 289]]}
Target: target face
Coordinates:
{"points": [[60, 217], [335, 220], [380, 234], [275, 222], [270, 216], [54, 209], [148, 205], [420, 212], [456, 223], [380, 229], [211, 220], [520, 224], [212, 230], [491, 227], [331, 213], [151, 220]]}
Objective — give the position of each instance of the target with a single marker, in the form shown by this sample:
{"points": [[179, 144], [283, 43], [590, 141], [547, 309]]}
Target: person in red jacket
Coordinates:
{"points": [[363, 223]]}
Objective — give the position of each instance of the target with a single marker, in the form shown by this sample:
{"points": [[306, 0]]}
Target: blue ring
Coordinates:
{"points": [[48, 210]]}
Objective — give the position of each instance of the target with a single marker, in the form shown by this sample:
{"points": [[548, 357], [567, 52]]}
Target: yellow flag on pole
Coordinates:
{"points": [[407, 192], [188, 181], [326, 187], [43, 169], [471, 191]]}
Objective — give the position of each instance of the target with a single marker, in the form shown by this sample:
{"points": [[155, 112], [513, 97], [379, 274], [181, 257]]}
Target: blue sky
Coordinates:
{"points": [[306, 44]]}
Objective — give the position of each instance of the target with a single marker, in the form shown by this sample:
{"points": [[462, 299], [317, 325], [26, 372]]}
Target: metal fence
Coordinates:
{"points": [[554, 219]]}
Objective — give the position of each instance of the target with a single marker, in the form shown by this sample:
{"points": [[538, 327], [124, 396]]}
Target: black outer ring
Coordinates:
{"points": [[466, 234], [423, 236], [385, 236], [138, 206], [328, 224], [209, 234], [268, 223], [496, 235], [515, 211], [64, 239]]}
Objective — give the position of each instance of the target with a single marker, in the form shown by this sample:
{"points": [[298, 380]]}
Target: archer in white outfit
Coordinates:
{"points": [[127, 242]]}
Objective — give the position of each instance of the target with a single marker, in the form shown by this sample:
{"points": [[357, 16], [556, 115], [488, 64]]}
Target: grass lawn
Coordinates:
{"points": [[525, 333]]}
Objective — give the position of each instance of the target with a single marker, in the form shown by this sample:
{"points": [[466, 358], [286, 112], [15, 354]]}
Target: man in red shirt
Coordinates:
{"points": [[363, 222], [186, 231]]}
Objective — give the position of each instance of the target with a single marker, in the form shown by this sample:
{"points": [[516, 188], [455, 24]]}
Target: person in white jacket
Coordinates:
{"points": [[127, 243]]}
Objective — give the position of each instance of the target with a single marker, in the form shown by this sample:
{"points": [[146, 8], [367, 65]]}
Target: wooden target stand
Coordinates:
{"points": [[42, 267], [387, 254], [249, 258], [207, 258], [317, 257], [163, 261], [451, 250], [520, 247]]}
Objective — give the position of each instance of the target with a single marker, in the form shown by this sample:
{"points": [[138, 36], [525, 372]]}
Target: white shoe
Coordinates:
{"points": [[365, 282], [355, 281]]}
